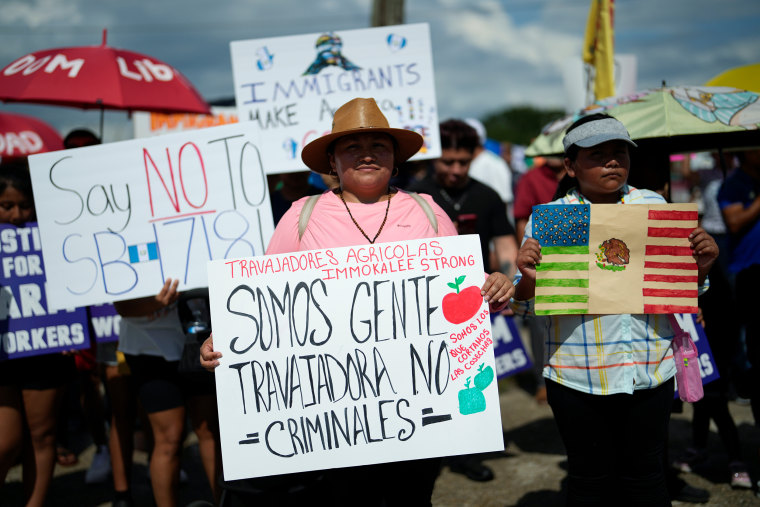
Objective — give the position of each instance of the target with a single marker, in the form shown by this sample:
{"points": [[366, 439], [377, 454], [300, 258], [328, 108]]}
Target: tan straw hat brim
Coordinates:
{"points": [[359, 116]]}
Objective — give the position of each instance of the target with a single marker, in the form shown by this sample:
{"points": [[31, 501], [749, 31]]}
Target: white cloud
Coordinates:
{"points": [[492, 29], [488, 54], [34, 13]]}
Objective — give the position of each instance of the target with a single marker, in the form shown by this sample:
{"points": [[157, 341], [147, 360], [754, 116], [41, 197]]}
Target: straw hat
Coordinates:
{"points": [[359, 116]]}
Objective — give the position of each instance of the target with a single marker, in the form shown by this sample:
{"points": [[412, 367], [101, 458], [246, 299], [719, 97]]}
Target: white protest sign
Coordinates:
{"points": [[118, 219], [290, 87], [353, 355]]}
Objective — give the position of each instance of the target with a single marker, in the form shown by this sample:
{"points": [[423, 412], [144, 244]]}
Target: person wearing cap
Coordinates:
{"points": [[363, 151], [609, 378]]}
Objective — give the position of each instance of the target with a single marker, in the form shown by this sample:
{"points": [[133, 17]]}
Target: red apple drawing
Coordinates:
{"points": [[461, 306]]}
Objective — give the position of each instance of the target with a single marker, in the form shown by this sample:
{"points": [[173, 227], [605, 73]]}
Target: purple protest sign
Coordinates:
{"points": [[510, 353], [105, 322], [26, 326]]}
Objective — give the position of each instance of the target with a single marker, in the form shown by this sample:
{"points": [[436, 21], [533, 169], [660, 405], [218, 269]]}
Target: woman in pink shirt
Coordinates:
{"points": [[362, 150]]}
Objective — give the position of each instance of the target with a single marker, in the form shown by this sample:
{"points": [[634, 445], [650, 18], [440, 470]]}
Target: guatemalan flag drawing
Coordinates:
{"points": [[608, 258]]}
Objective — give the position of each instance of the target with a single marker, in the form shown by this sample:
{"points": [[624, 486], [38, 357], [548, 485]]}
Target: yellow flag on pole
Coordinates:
{"points": [[598, 47]]}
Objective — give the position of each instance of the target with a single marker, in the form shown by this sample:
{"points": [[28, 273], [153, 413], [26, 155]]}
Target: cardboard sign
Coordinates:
{"points": [[353, 355], [510, 353], [118, 219], [27, 325], [290, 87], [607, 258]]}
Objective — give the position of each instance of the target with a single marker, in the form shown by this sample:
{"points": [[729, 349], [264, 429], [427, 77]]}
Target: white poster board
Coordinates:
{"points": [[353, 355], [290, 87], [118, 219]]}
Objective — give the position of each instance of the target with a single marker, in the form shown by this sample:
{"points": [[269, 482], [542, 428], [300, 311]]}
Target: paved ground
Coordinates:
{"points": [[529, 472]]}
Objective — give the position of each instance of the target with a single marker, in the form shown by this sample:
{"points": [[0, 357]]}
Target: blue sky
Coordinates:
{"points": [[488, 54]]}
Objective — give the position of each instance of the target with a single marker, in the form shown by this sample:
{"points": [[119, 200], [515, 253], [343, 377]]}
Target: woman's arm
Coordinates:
{"points": [[141, 307], [506, 254], [209, 357]]}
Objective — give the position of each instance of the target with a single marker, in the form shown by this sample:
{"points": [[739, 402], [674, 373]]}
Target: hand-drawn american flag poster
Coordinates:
{"points": [[608, 258]]}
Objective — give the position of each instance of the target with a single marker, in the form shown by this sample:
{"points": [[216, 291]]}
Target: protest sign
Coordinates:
{"points": [[27, 325], [510, 353], [105, 322], [118, 219], [290, 87], [147, 124], [606, 259], [353, 355]]}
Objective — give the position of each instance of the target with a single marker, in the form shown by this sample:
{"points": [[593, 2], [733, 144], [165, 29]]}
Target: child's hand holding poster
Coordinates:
{"points": [[351, 356], [606, 258]]}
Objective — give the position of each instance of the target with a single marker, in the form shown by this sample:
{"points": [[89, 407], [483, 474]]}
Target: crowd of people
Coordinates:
{"points": [[613, 416]]}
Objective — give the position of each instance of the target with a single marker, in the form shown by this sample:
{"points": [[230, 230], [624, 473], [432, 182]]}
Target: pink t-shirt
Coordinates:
{"points": [[330, 226]]}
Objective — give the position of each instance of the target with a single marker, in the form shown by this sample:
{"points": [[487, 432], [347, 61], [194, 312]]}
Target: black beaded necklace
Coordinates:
{"points": [[371, 241]]}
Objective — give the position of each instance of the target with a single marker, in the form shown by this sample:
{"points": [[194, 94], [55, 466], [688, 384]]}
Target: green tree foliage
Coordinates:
{"points": [[519, 124]]}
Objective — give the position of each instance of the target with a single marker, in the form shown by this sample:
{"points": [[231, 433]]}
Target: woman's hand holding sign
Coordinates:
{"points": [[142, 307], [209, 357], [497, 290]]}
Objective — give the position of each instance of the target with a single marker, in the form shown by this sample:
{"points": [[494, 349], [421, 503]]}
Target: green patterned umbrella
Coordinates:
{"points": [[686, 118]]}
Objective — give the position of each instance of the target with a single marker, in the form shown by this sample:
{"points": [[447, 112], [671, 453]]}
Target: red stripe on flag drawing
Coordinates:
{"points": [[668, 250], [692, 266], [671, 278], [669, 232], [669, 309], [680, 269], [656, 214], [670, 293]]}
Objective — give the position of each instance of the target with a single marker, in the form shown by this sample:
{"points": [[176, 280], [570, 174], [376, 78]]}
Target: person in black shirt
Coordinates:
{"points": [[474, 207]]}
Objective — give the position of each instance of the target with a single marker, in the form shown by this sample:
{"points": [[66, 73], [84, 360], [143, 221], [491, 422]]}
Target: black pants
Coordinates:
{"points": [[615, 444], [397, 484], [748, 299]]}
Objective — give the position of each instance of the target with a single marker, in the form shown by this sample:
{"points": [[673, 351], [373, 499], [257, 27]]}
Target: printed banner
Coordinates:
{"points": [[153, 124], [105, 322], [352, 356], [290, 87], [27, 326], [607, 258], [118, 219], [707, 369], [511, 356]]}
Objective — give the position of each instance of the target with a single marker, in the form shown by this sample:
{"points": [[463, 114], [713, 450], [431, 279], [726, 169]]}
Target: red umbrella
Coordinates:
{"points": [[99, 77], [22, 135]]}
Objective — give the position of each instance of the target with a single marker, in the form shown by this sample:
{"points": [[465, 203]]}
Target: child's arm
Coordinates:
{"points": [[142, 307], [705, 251], [527, 258]]}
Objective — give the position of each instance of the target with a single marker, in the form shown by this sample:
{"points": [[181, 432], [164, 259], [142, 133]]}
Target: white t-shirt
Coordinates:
{"points": [[159, 335], [492, 170]]}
